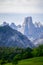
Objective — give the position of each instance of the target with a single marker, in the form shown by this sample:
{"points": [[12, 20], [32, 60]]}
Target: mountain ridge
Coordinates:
{"points": [[10, 37], [30, 30]]}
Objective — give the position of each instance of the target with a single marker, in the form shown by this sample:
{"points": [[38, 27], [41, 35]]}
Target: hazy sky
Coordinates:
{"points": [[21, 6], [19, 18], [21, 9]]}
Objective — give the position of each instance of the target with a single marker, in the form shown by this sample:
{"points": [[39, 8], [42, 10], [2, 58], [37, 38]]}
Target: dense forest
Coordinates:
{"points": [[13, 55]]}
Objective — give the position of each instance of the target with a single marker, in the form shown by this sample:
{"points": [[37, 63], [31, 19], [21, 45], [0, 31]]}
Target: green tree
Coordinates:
{"points": [[38, 51], [16, 59]]}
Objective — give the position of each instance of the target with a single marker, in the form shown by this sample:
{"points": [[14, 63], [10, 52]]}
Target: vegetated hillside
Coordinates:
{"points": [[17, 55], [32, 61], [13, 38]]}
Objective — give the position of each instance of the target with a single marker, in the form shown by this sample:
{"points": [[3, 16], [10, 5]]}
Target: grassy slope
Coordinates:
{"points": [[32, 61]]}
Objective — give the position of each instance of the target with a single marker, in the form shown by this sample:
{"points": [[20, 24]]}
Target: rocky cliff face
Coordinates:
{"points": [[30, 30], [13, 26], [12, 38]]}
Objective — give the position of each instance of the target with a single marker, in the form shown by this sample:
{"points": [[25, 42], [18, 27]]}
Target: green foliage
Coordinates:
{"points": [[32, 61], [15, 60], [14, 55], [38, 51], [2, 62]]}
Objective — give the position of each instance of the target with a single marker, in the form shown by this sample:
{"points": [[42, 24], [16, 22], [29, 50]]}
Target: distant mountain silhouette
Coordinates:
{"points": [[13, 26], [30, 30], [38, 41], [12, 38]]}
